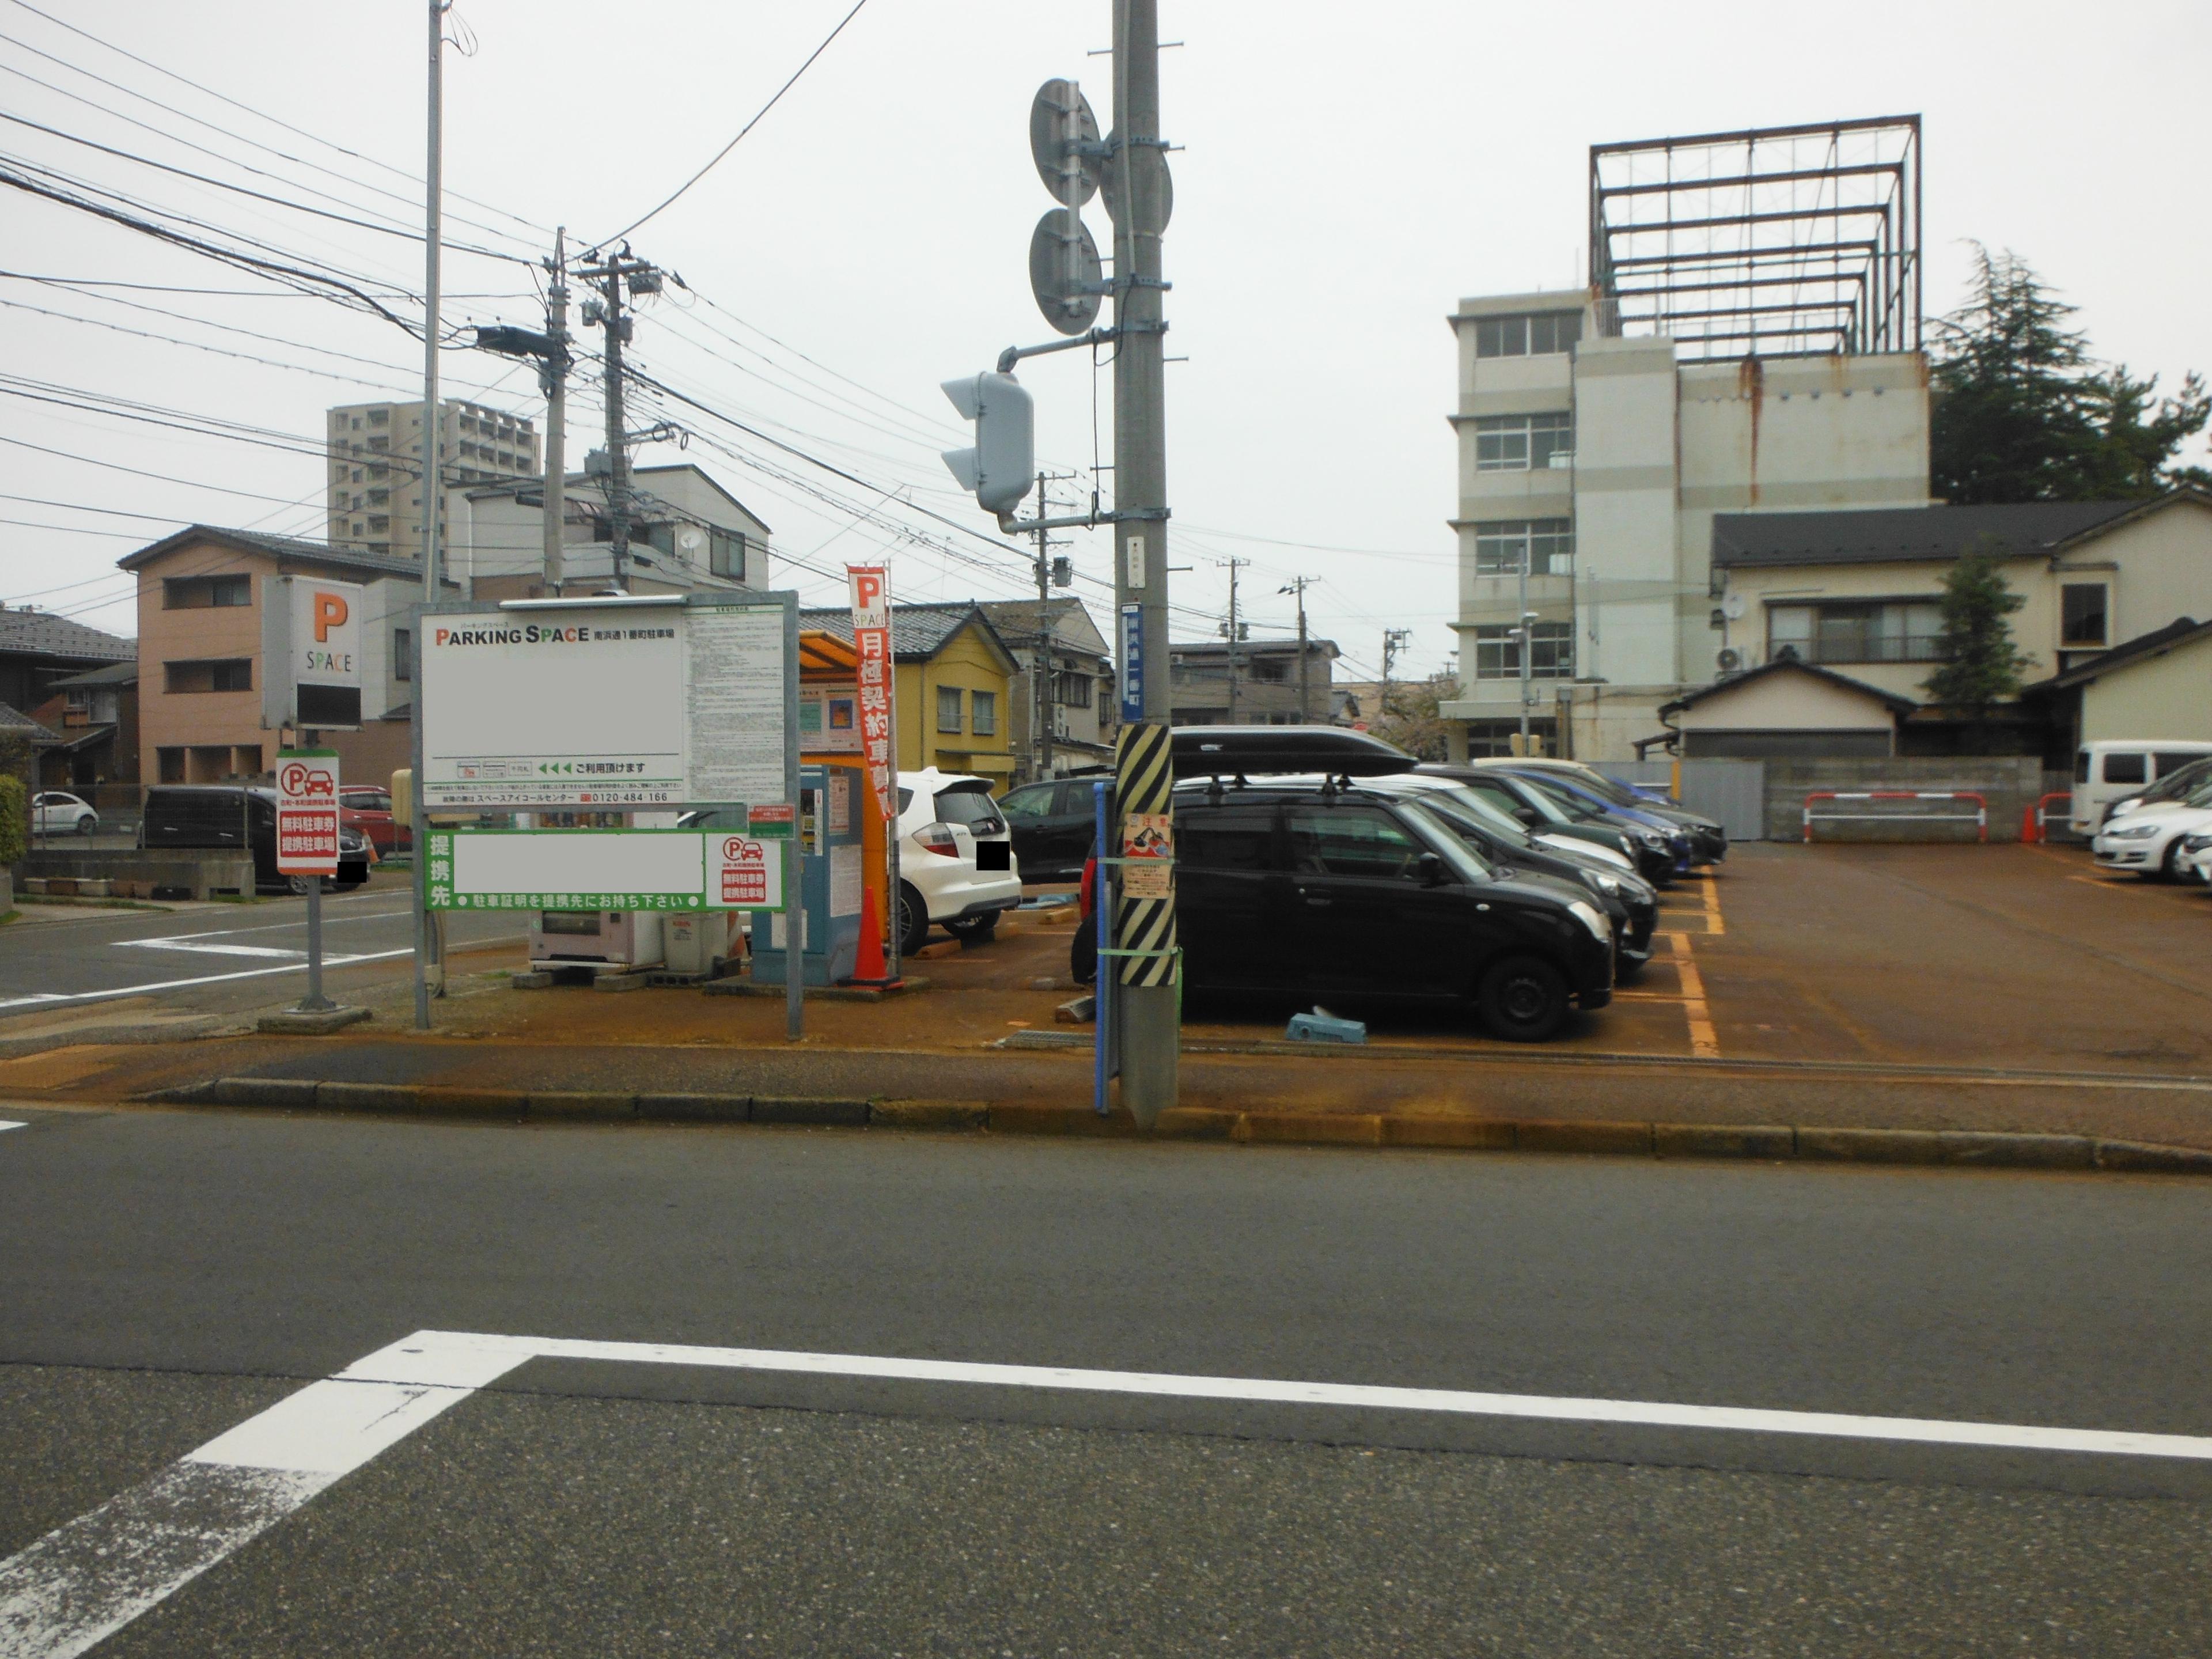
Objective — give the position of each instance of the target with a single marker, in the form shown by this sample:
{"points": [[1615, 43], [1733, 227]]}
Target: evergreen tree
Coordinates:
{"points": [[2023, 413], [1979, 663]]}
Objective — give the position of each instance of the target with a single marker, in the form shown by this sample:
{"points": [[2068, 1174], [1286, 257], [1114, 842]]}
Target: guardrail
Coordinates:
{"points": [[1980, 820], [2035, 822]]}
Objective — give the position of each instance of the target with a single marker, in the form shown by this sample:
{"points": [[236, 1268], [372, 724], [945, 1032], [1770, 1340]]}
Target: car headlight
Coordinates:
{"points": [[2133, 832], [1600, 930], [1604, 883], [1652, 839], [2197, 843]]}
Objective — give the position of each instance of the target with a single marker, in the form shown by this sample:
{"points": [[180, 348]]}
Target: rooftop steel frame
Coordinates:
{"points": [[1785, 241]]}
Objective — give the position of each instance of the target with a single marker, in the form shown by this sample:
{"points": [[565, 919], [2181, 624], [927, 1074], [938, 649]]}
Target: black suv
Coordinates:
{"points": [[214, 817], [1317, 889]]}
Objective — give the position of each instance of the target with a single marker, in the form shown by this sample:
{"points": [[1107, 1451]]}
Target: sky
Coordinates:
{"points": [[1346, 174]]}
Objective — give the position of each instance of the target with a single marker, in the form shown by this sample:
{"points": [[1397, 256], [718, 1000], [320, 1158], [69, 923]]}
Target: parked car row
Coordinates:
{"points": [[1318, 864], [2165, 833]]}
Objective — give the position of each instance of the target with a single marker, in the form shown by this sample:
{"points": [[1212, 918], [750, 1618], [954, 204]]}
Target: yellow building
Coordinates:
{"points": [[952, 683]]}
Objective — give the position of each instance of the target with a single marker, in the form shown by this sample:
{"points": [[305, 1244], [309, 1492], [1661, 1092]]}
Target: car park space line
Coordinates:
{"points": [[1714, 924], [91, 1576], [11, 1123], [55, 999], [1704, 1043]]}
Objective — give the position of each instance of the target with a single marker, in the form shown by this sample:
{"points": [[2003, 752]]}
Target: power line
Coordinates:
{"points": [[748, 127]]}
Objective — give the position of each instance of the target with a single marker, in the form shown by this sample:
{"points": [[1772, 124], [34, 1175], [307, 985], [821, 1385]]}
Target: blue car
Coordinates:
{"points": [[1586, 801]]}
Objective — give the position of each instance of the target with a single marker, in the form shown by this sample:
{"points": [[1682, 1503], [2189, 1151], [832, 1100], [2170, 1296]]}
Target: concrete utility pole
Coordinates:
{"points": [[643, 277], [1041, 653], [556, 412], [1394, 640], [1528, 687], [433, 480], [1298, 585], [1235, 565], [1150, 1030]]}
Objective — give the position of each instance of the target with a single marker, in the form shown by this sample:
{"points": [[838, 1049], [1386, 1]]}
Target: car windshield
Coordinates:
{"points": [[1464, 806], [2186, 781], [1572, 808], [1445, 842]]}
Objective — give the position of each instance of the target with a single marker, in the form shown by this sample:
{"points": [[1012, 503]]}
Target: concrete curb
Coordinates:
{"points": [[1764, 1143]]}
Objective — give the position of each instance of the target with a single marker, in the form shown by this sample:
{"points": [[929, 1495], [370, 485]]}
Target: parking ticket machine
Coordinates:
{"points": [[831, 869]]}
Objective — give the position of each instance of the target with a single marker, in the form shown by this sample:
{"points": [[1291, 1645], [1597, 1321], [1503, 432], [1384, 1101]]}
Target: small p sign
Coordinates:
{"points": [[743, 873]]}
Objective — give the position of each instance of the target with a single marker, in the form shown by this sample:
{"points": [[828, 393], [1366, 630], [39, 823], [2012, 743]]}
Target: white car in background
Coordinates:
{"points": [[2148, 842], [956, 864], [57, 812], [2195, 861]]}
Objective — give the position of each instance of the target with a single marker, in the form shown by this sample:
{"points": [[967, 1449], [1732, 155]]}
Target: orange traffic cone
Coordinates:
{"points": [[868, 966]]}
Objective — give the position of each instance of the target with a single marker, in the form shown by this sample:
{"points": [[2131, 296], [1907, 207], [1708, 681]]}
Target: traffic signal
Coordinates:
{"points": [[1001, 469]]}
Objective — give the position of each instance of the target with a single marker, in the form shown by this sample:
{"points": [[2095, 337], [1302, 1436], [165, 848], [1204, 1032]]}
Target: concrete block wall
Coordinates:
{"points": [[2013, 784]]}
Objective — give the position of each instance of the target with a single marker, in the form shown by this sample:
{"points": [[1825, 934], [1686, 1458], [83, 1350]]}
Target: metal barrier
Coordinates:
{"points": [[2035, 822], [1980, 818]]}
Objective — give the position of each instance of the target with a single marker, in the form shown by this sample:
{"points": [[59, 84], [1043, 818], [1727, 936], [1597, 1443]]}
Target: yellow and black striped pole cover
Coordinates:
{"points": [[1144, 784]]}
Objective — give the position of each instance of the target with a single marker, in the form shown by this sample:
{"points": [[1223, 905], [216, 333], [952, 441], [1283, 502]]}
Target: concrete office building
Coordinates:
{"points": [[1749, 340], [374, 461]]}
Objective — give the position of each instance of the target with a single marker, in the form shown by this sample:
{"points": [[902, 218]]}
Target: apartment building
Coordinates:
{"points": [[686, 531], [1081, 715], [1749, 341], [1258, 682], [375, 451]]}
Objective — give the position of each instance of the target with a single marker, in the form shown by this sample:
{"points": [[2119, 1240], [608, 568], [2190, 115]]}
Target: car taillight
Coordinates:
{"points": [[937, 838]]}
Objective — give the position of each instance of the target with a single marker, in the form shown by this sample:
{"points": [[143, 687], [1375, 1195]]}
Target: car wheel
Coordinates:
{"points": [[86, 825], [913, 920], [1523, 1000], [973, 927], [2169, 868]]}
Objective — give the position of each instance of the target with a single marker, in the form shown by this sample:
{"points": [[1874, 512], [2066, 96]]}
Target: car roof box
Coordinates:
{"points": [[1201, 751]]}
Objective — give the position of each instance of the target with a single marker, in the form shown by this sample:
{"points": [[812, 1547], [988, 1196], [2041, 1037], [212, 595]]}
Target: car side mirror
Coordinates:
{"points": [[1431, 869], [1528, 815]]}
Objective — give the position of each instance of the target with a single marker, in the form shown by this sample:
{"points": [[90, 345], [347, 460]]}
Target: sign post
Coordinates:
{"points": [[879, 712], [307, 846]]}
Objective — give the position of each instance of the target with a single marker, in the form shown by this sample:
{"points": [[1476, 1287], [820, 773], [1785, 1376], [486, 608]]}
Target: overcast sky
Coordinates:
{"points": [[1350, 172]]}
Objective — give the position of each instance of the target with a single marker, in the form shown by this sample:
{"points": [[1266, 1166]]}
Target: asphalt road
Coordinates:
{"points": [[211, 956], [165, 1276]]}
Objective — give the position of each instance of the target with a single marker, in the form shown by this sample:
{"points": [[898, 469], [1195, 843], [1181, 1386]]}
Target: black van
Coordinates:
{"points": [[1314, 889], [214, 817]]}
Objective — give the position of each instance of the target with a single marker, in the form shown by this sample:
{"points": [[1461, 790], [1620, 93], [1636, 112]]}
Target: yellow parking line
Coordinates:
{"points": [[1703, 1043], [1714, 924]]}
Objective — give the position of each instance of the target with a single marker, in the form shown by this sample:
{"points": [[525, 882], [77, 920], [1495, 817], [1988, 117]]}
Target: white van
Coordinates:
{"points": [[2116, 769]]}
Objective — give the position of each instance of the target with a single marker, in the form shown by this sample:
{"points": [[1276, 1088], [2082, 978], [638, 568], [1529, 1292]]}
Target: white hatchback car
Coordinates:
{"points": [[2195, 860], [57, 813], [2148, 841], [956, 864]]}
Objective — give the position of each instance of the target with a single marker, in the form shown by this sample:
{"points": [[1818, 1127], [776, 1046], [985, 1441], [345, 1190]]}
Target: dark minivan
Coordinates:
{"points": [[214, 817], [1307, 889]]}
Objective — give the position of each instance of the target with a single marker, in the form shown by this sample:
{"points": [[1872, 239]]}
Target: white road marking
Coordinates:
{"points": [[191, 942], [55, 999], [87, 1579], [11, 1124]]}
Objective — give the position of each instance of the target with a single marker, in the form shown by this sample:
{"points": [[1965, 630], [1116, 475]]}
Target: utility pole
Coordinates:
{"points": [[1149, 1000], [1298, 585], [1041, 653], [1394, 640], [1527, 685], [554, 373], [433, 479], [1235, 565], [643, 278]]}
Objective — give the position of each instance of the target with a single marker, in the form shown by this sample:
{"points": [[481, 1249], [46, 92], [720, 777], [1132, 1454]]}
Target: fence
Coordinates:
{"points": [[1979, 818]]}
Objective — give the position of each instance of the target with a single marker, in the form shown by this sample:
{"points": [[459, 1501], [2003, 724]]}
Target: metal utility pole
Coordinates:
{"points": [[1298, 585], [555, 376], [1394, 640], [611, 274], [1235, 565], [433, 478], [1150, 999]]}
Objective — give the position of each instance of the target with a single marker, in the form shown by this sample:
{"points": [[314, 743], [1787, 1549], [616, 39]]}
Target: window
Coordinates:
{"points": [[1350, 840], [1237, 836], [948, 708], [1070, 689], [1537, 336], [403, 654], [1547, 544], [1026, 805], [1523, 443], [2126, 768], [1270, 671], [725, 554], [1886, 630], [199, 592], [1551, 651], [2083, 608], [986, 712], [376, 418], [232, 674]]}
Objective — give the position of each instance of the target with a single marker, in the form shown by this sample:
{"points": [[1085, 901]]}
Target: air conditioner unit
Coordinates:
{"points": [[1730, 660]]}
